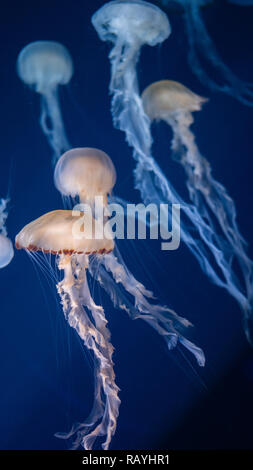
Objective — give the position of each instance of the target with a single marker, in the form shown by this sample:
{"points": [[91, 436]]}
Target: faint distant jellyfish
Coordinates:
{"points": [[44, 65], [129, 25], [6, 248], [202, 52], [55, 233], [174, 103]]}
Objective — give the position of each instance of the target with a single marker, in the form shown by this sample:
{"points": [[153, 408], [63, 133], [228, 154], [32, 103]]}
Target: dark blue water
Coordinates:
{"points": [[46, 376]]}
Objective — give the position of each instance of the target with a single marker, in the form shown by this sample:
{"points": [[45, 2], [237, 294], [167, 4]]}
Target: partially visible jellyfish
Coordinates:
{"points": [[70, 236], [174, 103], [6, 248], [129, 25], [44, 66], [203, 51]]}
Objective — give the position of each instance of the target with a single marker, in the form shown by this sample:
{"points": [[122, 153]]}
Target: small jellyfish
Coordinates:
{"points": [[6, 248], [174, 103], [74, 174], [44, 65], [202, 52], [129, 116], [80, 252]]}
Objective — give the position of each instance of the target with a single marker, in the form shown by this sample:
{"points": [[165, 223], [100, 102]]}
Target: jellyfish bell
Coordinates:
{"points": [[165, 97], [57, 232], [6, 251], [136, 21], [85, 172], [6, 247], [44, 65]]}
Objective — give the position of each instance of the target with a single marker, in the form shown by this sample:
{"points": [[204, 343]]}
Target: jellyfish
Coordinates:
{"points": [[44, 65], [6, 248], [130, 25], [174, 103], [69, 235], [203, 51]]}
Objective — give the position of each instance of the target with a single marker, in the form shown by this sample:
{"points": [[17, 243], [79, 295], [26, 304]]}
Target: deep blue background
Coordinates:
{"points": [[46, 378]]}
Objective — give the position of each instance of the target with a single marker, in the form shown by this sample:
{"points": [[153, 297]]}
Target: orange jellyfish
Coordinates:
{"points": [[173, 103]]}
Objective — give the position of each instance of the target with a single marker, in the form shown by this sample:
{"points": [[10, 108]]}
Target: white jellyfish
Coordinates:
{"points": [[202, 52], [6, 247], [44, 65], [129, 116], [70, 236]]}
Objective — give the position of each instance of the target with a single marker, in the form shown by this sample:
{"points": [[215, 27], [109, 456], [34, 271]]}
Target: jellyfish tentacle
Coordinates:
{"points": [[207, 193], [200, 178], [75, 298], [52, 124], [3, 215], [202, 47], [164, 320]]}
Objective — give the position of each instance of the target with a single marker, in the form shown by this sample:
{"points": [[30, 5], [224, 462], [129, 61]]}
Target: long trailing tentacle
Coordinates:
{"points": [[212, 201], [92, 329], [202, 49], [164, 320]]}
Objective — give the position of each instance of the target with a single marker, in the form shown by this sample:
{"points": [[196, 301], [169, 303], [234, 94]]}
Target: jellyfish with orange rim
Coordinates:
{"points": [[89, 173]]}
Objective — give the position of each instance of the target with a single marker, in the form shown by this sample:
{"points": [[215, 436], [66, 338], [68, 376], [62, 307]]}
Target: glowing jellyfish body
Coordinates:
{"points": [[6, 248], [130, 117], [56, 233], [203, 51], [82, 164], [174, 103], [44, 66], [6, 251]]}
